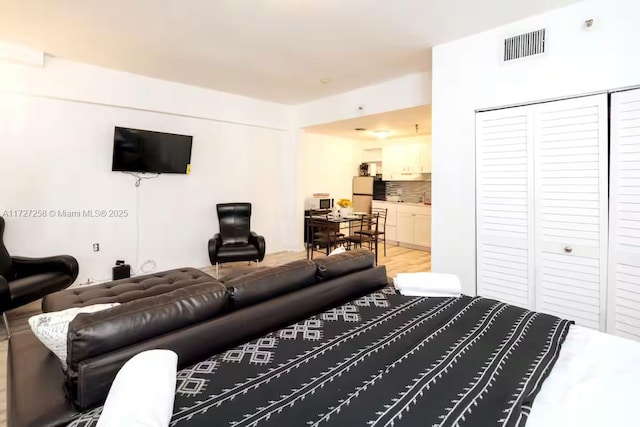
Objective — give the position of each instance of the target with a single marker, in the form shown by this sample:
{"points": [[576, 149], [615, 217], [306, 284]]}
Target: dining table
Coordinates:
{"points": [[338, 220]]}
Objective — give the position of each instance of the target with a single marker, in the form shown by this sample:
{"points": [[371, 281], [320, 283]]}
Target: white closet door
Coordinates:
{"points": [[504, 197], [624, 265], [571, 152]]}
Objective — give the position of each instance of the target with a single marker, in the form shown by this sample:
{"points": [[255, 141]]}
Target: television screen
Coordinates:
{"points": [[137, 150]]}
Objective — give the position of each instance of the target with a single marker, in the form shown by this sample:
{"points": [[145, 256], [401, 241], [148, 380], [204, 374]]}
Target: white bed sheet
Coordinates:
{"points": [[593, 383]]}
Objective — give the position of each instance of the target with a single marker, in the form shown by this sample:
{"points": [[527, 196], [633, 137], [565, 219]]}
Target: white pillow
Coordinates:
{"points": [[338, 250], [51, 328], [143, 392]]}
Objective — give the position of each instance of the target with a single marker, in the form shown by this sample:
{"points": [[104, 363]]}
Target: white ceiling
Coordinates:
{"points": [[400, 124], [275, 50]]}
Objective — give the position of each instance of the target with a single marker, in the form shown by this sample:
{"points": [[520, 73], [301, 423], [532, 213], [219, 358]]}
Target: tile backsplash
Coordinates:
{"points": [[409, 191]]}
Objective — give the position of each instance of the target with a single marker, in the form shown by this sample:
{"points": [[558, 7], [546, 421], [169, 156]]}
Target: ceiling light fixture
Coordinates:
{"points": [[381, 133], [324, 81]]}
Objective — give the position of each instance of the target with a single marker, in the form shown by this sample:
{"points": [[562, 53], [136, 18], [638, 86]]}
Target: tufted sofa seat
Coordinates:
{"points": [[126, 290]]}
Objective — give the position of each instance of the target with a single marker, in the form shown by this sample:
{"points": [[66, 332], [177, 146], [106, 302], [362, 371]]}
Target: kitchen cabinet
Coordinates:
{"points": [[392, 161], [414, 225], [407, 223], [401, 161], [422, 163], [422, 230], [373, 155], [405, 227]]}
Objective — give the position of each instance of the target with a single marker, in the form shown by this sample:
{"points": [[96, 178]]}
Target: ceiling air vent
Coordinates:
{"points": [[524, 45]]}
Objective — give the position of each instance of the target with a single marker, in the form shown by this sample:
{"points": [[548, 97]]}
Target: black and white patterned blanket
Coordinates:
{"points": [[381, 360]]}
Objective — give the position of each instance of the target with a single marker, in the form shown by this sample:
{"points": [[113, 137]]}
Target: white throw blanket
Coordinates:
{"points": [[428, 284]]}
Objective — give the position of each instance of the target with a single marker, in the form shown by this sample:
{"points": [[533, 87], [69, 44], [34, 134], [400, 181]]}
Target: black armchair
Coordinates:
{"points": [[235, 241], [23, 280]]}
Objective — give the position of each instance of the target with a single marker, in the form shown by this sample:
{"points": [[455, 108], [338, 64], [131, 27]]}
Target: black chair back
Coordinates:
{"points": [[382, 216], [5, 259], [235, 222], [366, 223], [322, 233]]}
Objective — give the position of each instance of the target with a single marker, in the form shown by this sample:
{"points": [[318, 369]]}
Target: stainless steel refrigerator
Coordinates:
{"points": [[362, 193]]}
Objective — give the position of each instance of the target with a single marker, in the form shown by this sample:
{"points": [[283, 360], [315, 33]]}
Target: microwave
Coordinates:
{"points": [[316, 203]]}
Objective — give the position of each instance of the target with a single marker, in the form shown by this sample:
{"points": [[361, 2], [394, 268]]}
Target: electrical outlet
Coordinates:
{"points": [[96, 247]]}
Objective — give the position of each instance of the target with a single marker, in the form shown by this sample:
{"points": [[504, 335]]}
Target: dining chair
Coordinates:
{"points": [[380, 233], [323, 234], [359, 237]]}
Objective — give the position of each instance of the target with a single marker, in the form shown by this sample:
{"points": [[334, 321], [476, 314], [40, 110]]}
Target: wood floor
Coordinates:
{"points": [[398, 260]]}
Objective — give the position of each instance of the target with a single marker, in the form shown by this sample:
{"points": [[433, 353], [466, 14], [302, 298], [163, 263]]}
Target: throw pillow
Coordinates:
{"points": [[51, 328], [143, 391]]}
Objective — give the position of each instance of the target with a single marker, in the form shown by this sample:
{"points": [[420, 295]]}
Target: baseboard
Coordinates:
{"points": [[409, 246]]}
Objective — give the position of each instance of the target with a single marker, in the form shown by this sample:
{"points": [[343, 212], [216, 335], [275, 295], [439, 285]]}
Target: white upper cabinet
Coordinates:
{"points": [[624, 244], [392, 162], [405, 161], [373, 155], [420, 158]]}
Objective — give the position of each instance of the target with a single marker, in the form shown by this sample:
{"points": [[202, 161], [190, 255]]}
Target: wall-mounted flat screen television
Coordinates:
{"points": [[136, 150]]}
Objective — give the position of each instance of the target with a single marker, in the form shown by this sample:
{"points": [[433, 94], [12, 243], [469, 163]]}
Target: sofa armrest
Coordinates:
{"points": [[214, 247], [66, 264], [259, 243], [5, 294]]}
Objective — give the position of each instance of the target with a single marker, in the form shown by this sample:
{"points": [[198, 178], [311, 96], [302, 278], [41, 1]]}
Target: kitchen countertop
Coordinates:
{"points": [[404, 203]]}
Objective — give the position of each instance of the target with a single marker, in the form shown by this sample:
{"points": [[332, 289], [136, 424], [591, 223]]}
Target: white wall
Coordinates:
{"points": [[330, 163], [62, 79], [468, 75], [56, 139], [380, 143], [409, 91]]}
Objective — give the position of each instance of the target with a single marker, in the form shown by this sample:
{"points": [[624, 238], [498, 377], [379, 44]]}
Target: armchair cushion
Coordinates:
{"points": [[23, 280], [235, 222], [237, 252], [65, 264], [34, 287]]}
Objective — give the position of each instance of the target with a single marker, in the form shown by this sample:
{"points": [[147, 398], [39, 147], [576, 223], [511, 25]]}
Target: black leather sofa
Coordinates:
{"points": [[185, 311]]}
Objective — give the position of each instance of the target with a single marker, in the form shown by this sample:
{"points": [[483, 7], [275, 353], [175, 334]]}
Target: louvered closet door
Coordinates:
{"points": [[504, 191], [571, 152], [624, 258]]}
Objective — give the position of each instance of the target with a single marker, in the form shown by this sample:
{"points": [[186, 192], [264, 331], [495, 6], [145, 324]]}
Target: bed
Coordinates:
{"points": [[390, 360]]}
